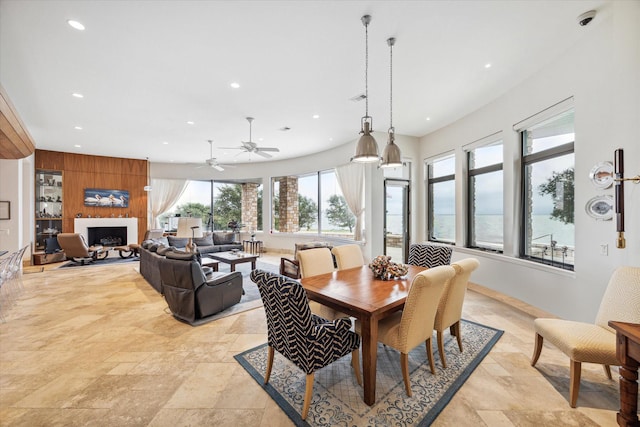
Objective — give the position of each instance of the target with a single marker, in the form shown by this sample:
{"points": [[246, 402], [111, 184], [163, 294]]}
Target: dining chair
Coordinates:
{"points": [[429, 254], [449, 311], [307, 340], [312, 263], [593, 342], [412, 326], [348, 256]]}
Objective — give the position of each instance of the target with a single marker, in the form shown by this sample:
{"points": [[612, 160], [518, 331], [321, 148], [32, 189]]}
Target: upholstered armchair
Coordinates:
{"points": [[429, 254], [307, 340], [193, 296], [593, 343], [449, 311], [76, 249], [348, 256], [406, 329]]}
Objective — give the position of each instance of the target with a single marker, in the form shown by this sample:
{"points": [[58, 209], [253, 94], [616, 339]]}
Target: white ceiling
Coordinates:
{"points": [[145, 68]]}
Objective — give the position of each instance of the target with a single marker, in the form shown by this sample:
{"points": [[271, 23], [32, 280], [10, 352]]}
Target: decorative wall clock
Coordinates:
{"points": [[602, 175], [600, 208]]}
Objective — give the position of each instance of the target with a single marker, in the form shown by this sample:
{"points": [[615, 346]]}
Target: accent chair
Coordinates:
{"points": [[429, 254], [76, 249]]}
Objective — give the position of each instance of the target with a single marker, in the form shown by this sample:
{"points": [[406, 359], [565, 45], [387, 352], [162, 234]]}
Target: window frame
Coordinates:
{"points": [[429, 187]]}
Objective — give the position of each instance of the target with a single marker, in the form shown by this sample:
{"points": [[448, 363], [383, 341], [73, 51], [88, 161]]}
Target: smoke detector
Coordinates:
{"points": [[586, 18]]}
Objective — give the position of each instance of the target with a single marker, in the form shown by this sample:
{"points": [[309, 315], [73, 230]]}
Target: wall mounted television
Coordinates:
{"points": [[106, 198]]}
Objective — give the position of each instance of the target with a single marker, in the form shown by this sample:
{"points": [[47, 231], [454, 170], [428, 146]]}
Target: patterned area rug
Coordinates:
{"points": [[113, 258], [337, 398]]}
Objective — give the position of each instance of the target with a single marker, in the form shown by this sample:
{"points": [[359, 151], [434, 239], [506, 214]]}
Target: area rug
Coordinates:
{"points": [[337, 398], [113, 258]]}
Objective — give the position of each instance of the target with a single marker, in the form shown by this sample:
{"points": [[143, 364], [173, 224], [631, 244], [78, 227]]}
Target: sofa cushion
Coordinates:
{"points": [[204, 241], [223, 237], [154, 246], [185, 256], [178, 242], [164, 249]]}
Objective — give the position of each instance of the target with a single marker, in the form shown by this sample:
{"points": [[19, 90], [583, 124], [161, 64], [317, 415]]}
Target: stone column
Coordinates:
{"points": [[289, 211], [250, 206]]}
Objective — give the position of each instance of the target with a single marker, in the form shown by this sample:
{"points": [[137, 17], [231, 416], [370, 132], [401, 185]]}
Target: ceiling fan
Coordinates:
{"points": [[252, 147], [211, 161]]}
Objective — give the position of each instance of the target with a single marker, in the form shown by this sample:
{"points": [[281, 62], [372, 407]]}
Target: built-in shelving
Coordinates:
{"points": [[48, 205]]}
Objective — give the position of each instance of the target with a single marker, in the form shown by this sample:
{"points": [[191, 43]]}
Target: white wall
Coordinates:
{"points": [[16, 186], [602, 73]]}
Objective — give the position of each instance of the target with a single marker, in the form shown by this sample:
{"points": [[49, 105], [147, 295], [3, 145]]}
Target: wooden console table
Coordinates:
{"points": [[628, 353]]}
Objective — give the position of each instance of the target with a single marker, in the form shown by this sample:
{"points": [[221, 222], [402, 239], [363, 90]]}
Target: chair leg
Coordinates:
{"points": [[404, 364], [574, 380], [607, 371], [537, 349], [443, 359], [355, 362], [308, 393], [269, 364], [430, 356], [456, 329]]}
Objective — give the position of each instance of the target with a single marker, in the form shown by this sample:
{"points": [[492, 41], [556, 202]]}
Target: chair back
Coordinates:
{"points": [[154, 233], [452, 299], [73, 245], [348, 256], [429, 255], [289, 321], [420, 307], [180, 279], [315, 261], [621, 300]]}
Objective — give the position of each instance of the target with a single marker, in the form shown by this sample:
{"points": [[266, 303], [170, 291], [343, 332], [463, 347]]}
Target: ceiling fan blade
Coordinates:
{"points": [[242, 147], [263, 154], [218, 168], [273, 149]]}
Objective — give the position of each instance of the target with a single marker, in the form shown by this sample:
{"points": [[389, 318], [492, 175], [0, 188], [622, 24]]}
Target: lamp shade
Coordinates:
{"points": [[367, 147], [189, 227], [391, 157]]}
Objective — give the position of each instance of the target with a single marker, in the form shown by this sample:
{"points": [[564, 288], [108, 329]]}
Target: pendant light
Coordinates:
{"points": [[391, 157], [367, 147]]}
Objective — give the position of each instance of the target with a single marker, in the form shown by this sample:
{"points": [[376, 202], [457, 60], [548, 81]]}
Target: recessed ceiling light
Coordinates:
{"points": [[190, 122], [316, 116], [487, 65], [260, 139], [77, 95], [165, 143], [235, 85], [330, 139], [75, 24], [78, 146], [77, 127], [428, 118]]}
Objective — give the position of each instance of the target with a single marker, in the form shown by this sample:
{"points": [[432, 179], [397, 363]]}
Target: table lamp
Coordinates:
{"points": [[191, 228]]}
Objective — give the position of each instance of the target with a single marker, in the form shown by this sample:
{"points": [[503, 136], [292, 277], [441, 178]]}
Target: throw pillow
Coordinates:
{"points": [[223, 237], [178, 242], [204, 241], [164, 249], [185, 256]]}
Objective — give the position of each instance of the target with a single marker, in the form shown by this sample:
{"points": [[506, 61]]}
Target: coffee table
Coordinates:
{"points": [[234, 258]]}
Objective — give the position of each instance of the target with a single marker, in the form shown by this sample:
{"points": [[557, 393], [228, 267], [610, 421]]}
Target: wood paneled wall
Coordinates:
{"points": [[109, 173]]}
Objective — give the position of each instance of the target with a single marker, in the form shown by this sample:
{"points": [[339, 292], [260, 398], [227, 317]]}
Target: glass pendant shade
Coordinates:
{"points": [[391, 157], [367, 147]]}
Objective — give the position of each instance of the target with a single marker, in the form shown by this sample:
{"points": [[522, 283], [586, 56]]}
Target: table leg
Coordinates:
{"points": [[232, 267], [253, 265], [369, 335], [628, 414]]}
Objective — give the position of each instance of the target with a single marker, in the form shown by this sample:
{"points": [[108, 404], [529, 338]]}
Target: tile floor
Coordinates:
{"points": [[97, 346]]}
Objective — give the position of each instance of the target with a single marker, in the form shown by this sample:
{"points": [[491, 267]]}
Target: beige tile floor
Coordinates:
{"points": [[97, 346]]}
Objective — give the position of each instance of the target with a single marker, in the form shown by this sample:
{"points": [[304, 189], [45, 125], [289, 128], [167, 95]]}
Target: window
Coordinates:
{"points": [[308, 203], [441, 199], [485, 183], [548, 234]]}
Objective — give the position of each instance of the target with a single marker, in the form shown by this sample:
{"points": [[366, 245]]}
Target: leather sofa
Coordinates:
{"points": [[154, 250], [193, 296]]}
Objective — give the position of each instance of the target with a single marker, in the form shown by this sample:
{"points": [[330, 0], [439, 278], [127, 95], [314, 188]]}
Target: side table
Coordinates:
{"points": [[254, 247]]}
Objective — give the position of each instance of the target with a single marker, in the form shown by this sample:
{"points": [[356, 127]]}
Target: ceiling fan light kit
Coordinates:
{"points": [[367, 147], [391, 156]]}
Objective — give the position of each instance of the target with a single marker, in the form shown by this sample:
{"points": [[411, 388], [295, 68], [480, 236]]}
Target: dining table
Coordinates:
{"points": [[357, 293]]}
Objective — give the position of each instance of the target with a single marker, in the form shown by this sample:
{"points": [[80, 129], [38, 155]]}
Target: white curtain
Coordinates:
{"points": [[351, 181], [164, 194]]}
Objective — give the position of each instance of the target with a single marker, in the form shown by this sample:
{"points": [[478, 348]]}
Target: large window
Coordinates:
{"points": [[548, 234], [311, 203], [485, 184], [441, 199]]}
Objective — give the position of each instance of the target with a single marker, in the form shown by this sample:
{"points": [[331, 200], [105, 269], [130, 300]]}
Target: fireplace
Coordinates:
{"points": [[130, 225], [107, 236]]}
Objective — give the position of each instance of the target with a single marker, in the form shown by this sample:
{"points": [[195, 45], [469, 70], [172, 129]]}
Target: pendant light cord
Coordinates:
{"points": [[391, 41], [366, 68]]}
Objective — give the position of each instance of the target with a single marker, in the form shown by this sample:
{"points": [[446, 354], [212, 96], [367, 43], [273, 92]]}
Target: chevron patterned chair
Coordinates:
{"points": [[307, 340], [429, 255], [589, 342]]}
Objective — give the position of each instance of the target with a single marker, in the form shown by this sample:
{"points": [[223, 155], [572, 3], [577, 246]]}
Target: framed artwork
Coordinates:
{"points": [[106, 198], [5, 210]]}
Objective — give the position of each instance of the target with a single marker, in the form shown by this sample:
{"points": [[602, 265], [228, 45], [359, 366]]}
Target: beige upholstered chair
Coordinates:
{"points": [[593, 343], [313, 262], [76, 249], [450, 306], [413, 325], [348, 256]]}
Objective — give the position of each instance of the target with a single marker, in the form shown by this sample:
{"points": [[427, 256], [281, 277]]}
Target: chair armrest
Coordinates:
{"points": [[220, 278], [339, 327], [290, 268]]}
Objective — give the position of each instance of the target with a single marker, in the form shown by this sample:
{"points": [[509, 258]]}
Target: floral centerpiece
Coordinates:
{"points": [[385, 269]]}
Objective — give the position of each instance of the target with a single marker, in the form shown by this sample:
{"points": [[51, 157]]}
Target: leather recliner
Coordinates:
{"points": [[193, 296]]}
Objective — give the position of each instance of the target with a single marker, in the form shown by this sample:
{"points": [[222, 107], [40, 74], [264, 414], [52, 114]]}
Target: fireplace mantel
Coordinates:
{"points": [[80, 225]]}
